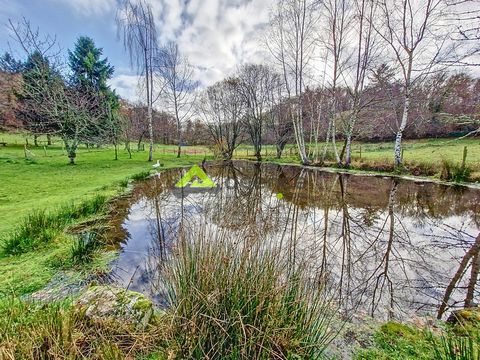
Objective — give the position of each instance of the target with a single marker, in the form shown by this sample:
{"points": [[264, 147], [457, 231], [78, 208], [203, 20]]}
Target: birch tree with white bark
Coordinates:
{"points": [[291, 42], [136, 26], [418, 39]]}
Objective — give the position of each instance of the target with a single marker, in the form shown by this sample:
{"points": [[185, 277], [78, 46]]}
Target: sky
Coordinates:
{"points": [[216, 35]]}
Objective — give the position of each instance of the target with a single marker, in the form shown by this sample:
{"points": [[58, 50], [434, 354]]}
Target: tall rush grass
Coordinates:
{"points": [[41, 227], [243, 302]]}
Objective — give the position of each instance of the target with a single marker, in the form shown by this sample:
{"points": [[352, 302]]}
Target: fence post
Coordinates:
{"points": [[464, 159]]}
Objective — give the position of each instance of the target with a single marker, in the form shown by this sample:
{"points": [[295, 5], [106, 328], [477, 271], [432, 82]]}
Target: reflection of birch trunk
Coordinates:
{"points": [[326, 211], [160, 235], [299, 187], [383, 279], [472, 253], [346, 239]]}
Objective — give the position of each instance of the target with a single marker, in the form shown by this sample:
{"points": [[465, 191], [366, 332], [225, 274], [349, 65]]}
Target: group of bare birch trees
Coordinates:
{"points": [[334, 45], [330, 46]]}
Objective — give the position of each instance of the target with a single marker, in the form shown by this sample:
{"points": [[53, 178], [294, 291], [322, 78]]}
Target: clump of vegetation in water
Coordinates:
{"points": [[233, 303], [40, 227]]}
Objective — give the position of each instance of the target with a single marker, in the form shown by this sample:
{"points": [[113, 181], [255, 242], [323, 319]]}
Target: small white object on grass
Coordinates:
{"points": [[157, 165]]}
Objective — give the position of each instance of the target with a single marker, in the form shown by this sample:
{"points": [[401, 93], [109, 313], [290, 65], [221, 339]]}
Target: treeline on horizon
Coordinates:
{"points": [[443, 107], [381, 82]]}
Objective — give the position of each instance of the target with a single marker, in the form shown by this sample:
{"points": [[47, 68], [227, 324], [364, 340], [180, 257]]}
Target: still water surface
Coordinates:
{"points": [[388, 247]]}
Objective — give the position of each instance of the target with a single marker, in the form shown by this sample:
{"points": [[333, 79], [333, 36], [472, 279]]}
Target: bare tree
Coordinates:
{"points": [[365, 11], [291, 41], [31, 40], [257, 82], [277, 118], [45, 96], [75, 117], [222, 108], [337, 15], [465, 16], [411, 30], [178, 86], [136, 26]]}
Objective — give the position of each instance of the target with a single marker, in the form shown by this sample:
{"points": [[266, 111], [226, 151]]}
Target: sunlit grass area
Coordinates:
{"points": [[43, 181]]}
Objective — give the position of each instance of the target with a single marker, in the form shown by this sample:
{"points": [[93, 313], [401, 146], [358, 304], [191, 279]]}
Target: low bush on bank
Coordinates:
{"points": [[41, 227], [451, 171], [83, 249], [399, 341]]}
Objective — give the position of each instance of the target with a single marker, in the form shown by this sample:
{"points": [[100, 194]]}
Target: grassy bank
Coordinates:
{"points": [[41, 195], [436, 158]]}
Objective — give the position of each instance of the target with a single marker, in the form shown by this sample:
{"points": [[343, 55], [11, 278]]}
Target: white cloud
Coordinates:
{"points": [[216, 36], [126, 86], [91, 7]]}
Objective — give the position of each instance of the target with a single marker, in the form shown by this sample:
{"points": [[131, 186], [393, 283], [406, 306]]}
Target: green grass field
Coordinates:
{"points": [[47, 181], [425, 150], [42, 179]]}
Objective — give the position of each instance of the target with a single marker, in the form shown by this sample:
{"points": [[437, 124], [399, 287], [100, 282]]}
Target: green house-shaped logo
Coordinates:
{"points": [[196, 178]]}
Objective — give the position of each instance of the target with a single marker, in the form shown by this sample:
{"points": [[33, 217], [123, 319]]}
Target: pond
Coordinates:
{"points": [[388, 248]]}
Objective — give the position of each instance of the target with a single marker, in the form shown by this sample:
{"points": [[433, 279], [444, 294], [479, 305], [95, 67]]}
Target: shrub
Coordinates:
{"points": [[451, 171], [30, 330], [454, 347], [84, 248], [231, 303], [141, 175], [36, 229]]}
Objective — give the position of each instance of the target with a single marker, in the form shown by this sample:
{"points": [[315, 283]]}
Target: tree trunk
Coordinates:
{"points": [[348, 150], [150, 132], [403, 125], [127, 147], [300, 137], [49, 139], [279, 148], [35, 140], [258, 153], [179, 138], [139, 143]]}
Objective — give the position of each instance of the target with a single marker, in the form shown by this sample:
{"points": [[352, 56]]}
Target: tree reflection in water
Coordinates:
{"points": [[386, 247]]}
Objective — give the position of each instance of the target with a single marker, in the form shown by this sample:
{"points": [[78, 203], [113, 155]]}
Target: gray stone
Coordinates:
{"points": [[108, 303]]}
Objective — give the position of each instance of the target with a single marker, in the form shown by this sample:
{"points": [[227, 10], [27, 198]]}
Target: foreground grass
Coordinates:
{"points": [[396, 341], [224, 304]]}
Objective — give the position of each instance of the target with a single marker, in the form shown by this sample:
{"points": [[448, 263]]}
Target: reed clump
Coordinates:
{"points": [[243, 302]]}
